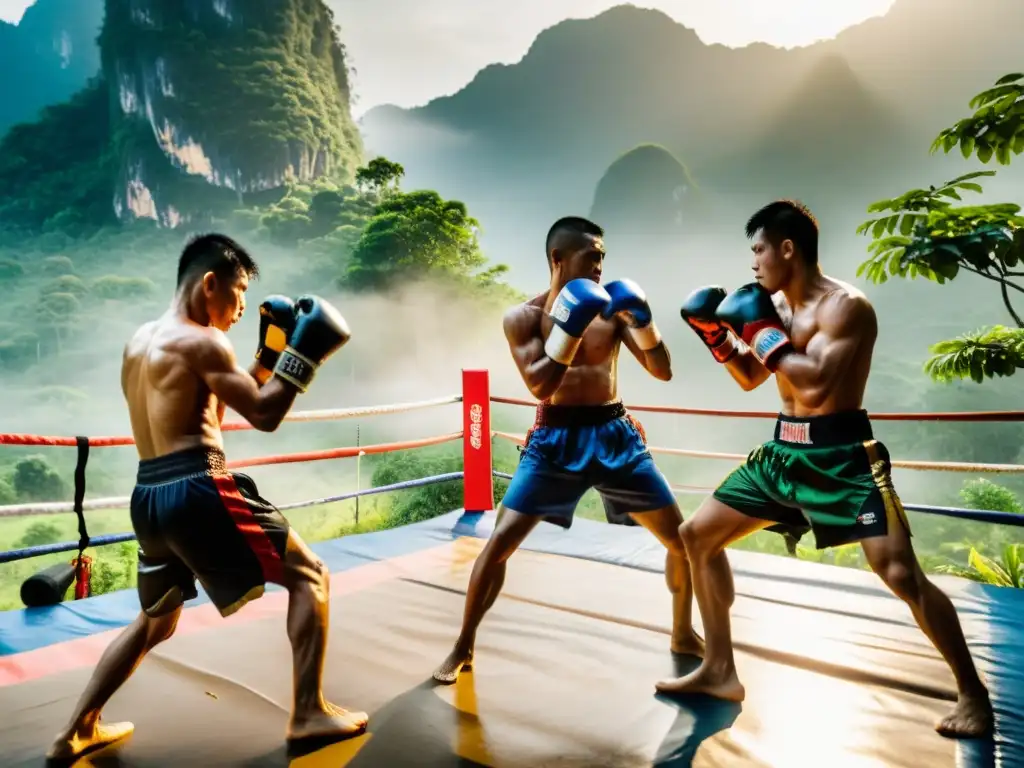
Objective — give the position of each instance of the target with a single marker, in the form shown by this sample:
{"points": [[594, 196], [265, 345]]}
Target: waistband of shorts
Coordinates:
{"points": [[578, 415], [181, 464], [840, 428]]}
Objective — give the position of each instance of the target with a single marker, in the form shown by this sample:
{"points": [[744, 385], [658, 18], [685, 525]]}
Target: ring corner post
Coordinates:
{"points": [[477, 460]]}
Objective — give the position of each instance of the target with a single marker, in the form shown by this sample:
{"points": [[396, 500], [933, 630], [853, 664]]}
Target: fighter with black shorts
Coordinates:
{"points": [[193, 518], [566, 343]]}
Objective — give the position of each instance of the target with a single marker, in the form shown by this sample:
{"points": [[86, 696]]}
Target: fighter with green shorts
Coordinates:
{"points": [[823, 471]]}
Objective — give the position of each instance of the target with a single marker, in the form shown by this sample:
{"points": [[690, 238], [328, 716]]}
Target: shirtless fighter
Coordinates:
{"points": [[192, 517], [823, 468], [566, 344]]}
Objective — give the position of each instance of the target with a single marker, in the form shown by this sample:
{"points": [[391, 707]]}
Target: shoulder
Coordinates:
{"points": [[523, 320], [847, 309], [206, 347]]}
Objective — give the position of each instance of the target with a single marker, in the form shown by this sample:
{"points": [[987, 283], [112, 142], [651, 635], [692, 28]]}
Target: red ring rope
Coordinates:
{"points": [[935, 416]]}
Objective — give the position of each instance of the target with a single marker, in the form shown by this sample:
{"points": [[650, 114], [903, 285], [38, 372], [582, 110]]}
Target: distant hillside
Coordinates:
{"points": [[647, 191], [53, 51], [199, 108], [532, 139]]}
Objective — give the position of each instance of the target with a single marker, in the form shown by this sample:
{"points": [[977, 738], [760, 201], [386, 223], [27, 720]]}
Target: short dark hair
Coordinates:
{"points": [[215, 253], [568, 232], [788, 220]]}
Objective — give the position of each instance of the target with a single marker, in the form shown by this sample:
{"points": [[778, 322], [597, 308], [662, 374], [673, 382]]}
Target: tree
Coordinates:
{"points": [[412, 235], [922, 234], [380, 175], [35, 480]]}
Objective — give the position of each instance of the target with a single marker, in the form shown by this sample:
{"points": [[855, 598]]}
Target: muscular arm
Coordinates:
{"points": [[264, 407], [747, 370], [844, 323], [656, 361], [542, 375]]}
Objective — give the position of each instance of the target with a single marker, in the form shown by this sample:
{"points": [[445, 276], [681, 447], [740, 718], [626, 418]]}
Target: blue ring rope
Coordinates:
{"points": [[116, 538], [977, 515]]}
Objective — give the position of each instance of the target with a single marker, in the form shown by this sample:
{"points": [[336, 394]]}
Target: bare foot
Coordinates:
{"points": [[330, 722], [970, 719], [70, 747], [451, 667], [688, 644], [725, 685]]}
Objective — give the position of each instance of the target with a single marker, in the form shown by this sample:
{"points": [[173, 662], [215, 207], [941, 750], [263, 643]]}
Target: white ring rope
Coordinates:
{"points": [[331, 414]]}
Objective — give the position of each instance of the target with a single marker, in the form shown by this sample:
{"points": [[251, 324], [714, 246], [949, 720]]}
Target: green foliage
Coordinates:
{"points": [[996, 351], [381, 176], [34, 479], [996, 129], [412, 236], [58, 265], [984, 494], [57, 173], [116, 287], [39, 534], [1006, 571], [924, 235]]}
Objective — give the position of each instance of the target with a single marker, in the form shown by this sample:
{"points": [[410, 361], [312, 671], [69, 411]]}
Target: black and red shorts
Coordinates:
{"points": [[196, 520]]}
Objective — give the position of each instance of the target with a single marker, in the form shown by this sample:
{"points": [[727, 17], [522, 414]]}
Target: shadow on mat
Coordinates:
{"points": [[700, 717], [415, 728]]}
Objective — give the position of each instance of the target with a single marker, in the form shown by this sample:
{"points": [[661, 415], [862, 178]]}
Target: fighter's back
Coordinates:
{"points": [[170, 407]]}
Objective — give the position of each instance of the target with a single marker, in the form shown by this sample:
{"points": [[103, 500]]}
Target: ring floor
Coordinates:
{"points": [[835, 669]]}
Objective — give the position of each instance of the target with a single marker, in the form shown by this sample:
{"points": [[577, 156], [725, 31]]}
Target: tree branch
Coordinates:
{"points": [[999, 280]]}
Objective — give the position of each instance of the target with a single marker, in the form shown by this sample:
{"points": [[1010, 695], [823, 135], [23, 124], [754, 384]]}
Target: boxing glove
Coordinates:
{"points": [[575, 307], [277, 321], [750, 313], [320, 331], [698, 311], [629, 302]]}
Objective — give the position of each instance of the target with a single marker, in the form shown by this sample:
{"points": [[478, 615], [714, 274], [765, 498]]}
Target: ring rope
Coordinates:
{"points": [[942, 466], [54, 507], [116, 538], [974, 416], [331, 414]]}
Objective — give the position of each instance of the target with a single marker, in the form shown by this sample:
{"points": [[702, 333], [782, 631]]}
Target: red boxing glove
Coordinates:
{"points": [[750, 313]]}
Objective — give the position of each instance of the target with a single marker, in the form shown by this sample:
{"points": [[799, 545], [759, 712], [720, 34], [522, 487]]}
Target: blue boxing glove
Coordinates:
{"points": [[629, 302], [575, 307]]}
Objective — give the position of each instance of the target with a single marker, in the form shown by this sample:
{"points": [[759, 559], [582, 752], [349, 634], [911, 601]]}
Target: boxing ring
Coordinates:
{"points": [[836, 671]]}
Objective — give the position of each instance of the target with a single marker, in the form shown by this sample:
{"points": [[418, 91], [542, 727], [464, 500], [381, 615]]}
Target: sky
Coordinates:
{"points": [[445, 42]]}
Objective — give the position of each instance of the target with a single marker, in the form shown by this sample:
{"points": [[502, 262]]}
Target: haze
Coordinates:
{"points": [[447, 41]]}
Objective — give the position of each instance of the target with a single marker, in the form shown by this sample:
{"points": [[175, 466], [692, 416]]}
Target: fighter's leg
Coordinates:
{"points": [[892, 557], [665, 524], [484, 585], [84, 733], [236, 542], [308, 583]]}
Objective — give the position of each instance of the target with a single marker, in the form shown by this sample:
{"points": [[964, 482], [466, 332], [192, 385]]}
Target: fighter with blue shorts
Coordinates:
{"points": [[565, 343]]}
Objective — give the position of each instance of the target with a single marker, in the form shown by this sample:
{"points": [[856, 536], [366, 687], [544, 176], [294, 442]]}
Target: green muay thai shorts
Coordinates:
{"points": [[825, 474]]}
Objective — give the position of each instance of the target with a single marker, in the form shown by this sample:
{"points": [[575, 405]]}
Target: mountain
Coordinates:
{"points": [[53, 50], [198, 108], [525, 142], [647, 191]]}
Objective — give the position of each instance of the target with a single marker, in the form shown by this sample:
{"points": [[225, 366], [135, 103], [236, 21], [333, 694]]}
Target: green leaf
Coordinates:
{"points": [[984, 153], [989, 569], [949, 141], [1007, 101], [966, 146], [971, 187], [879, 228], [907, 223], [1011, 78]]}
